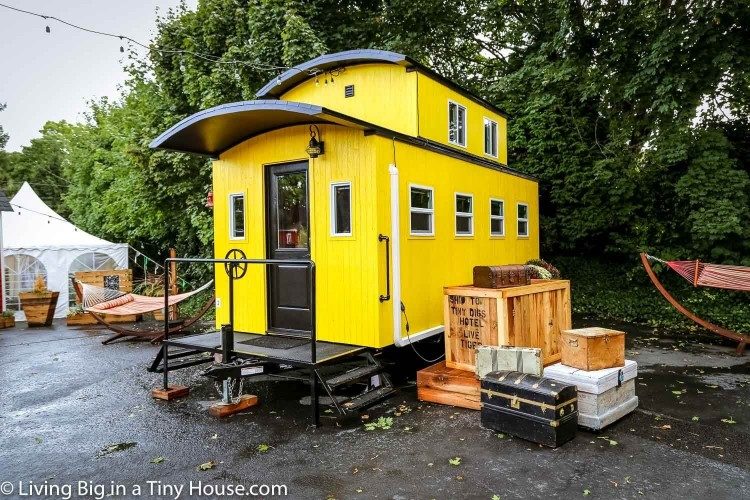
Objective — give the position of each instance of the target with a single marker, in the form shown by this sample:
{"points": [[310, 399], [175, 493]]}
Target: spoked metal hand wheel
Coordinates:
{"points": [[235, 270]]}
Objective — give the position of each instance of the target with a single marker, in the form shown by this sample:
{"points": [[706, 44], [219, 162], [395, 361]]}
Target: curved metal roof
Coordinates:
{"points": [[301, 72], [212, 131]]}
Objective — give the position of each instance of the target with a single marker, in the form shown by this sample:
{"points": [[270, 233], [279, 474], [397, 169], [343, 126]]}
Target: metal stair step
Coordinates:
{"points": [[353, 375], [368, 399], [184, 364]]}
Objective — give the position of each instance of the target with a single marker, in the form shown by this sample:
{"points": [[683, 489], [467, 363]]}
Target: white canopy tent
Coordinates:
{"points": [[38, 241]]}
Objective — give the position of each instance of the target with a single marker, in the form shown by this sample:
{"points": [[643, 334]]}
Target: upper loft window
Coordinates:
{"points": [[421, 211], [490, 137], [464, 215], [523, 219], [456, 124], [236, 216], [341, 209]]}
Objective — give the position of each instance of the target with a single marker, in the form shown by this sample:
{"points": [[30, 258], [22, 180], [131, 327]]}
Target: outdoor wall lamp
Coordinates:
{"points": [[315, 148]]}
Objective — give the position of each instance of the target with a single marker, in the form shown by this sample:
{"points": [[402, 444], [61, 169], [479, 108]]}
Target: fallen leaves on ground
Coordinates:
{"points": [[612, 442], [207, 465], [695, 419], [382, 423], [729, 420], [114, 448], [586, 493], [263, 448], [157, 460], [455, 461]]}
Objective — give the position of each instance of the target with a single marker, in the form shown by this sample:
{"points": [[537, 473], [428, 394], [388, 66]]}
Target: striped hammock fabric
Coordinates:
{"points": [[713, 275], [105, 301]]}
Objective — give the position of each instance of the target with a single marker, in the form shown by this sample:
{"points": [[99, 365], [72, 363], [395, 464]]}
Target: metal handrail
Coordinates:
{"points": [[309, 264]]}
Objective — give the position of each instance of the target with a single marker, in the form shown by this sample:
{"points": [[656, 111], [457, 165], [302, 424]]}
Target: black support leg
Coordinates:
{"points": [[314, 397]]}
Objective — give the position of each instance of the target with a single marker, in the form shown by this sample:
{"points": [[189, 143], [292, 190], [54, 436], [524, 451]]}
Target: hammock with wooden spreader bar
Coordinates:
{"points": [[698, 273], [100, 301]]}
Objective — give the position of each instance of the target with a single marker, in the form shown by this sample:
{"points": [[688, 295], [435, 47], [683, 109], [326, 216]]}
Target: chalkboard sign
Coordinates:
{"points": [[112, 282]]}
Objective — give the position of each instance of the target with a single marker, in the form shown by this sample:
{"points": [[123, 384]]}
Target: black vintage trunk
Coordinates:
{"points": [[535, 408]]}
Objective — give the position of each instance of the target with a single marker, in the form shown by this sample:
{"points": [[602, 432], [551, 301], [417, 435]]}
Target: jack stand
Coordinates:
{"points": [[227, 407], [173, 392]]}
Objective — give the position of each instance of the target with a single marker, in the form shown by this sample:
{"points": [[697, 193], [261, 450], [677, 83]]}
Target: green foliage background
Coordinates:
{"points": [[635, 116]]}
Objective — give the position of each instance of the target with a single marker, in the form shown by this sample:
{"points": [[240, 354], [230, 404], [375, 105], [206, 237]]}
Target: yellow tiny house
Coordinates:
{"points": [[390, 178]]}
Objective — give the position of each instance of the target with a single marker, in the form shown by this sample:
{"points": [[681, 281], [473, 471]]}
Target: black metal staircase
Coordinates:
{"points": [[356, 387]]}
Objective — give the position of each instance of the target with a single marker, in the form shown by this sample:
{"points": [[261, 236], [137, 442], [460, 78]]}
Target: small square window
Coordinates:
{"points": [[523, 219], [497, 217], [341, 209], [237, 216], [464, 215], [490, 137], [421, 211], [456, 124]]}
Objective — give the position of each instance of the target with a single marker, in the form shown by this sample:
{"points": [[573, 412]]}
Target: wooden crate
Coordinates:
{"points": [[522, 316], [106, 279], [593, 348], [448, 386]]}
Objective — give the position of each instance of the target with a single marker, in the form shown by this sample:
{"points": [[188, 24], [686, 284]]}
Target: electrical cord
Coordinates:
{"points": [[403, 311]]}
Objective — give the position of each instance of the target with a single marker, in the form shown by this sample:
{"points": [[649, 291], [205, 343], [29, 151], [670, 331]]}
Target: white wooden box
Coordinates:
{"points": [[604, 396], [517, 359]]}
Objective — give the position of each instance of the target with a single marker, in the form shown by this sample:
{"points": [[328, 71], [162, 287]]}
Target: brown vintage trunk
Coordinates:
{"points": [[593, 348], [39, 308], [7, 322], [501, 276], [448, 386]]}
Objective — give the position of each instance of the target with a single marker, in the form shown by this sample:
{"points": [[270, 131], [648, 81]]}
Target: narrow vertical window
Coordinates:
{"points": [[490, 137], [523, 219], [497, 217], [456, 124], [421, 211], [464, 215], [341, 209], [237, 216]]}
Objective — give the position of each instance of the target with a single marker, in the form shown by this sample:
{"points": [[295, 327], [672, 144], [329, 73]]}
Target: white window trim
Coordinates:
{"points": [[501, 218], [334, 185], [466, 124], [470, 215], [519, 219], [430, 211], [497, 136], [232, 196]]}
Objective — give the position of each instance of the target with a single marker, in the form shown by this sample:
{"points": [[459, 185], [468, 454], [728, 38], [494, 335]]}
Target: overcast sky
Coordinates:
{"points": [[51, 76]]}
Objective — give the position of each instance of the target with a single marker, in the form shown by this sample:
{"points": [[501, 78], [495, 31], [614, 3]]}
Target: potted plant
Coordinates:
{"points": [[7, 319], [39, 304], [152, 286], [77, 316]]}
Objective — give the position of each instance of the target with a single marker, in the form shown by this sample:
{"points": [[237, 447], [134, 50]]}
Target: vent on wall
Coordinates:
{"points": [[349, 91]]}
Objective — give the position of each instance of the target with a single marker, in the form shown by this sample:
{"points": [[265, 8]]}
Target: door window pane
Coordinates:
{"points": [[341, 210], [291, 210]]}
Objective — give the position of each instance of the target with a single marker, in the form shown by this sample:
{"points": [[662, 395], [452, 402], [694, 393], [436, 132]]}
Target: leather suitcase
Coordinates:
{"points": [[537, 409], [501, 276]]}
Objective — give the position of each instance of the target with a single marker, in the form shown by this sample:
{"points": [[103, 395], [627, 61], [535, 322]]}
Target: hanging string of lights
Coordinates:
{"points": [[124, 38]]}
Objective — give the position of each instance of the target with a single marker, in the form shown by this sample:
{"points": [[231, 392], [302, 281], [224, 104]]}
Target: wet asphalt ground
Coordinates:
{"points": [[65, 398]]}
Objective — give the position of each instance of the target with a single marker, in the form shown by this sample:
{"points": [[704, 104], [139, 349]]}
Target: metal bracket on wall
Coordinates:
{"points": [[387, 296]]}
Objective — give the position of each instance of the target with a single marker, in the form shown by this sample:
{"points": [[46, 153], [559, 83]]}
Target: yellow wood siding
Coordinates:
{"points": [[347, 273], [384, 95], [428, 263], [433, 119]]}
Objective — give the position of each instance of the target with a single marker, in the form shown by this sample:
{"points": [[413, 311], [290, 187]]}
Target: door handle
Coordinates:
{"points": [[387, 296]]}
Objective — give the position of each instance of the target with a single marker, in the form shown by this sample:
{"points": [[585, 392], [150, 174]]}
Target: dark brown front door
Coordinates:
{"points": [[288, 230]]}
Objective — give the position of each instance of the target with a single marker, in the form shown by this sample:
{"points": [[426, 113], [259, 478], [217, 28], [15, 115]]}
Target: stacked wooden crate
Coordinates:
{"points": [[593, 359], [528, 315]]}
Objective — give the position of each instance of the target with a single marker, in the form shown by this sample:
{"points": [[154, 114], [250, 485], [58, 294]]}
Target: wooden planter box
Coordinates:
{"points": [[84, 319], [7, 322], [39, 308], [521, 316]]}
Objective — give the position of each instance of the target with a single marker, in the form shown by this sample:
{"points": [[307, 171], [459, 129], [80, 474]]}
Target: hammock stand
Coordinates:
{"points": [[742, 339], [155, 336]]}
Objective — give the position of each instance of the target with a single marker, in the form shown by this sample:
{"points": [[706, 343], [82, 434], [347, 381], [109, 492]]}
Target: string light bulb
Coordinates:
{"points": [[47, 29], [122, 49]]}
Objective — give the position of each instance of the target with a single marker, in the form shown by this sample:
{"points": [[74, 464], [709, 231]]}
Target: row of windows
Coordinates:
{"points": [[421, 213], [457, 129]]}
